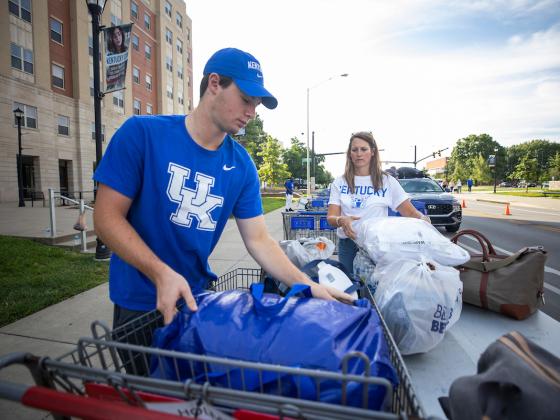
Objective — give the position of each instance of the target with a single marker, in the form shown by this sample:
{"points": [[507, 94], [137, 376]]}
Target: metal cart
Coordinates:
{"points": [[92, 380], [308, 224]]}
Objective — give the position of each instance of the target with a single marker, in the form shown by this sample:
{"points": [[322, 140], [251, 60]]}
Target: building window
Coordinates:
{"points": [[102, 131], [135, 42], [180, 98], [168, 63], [133, 10], [149, 109], [168, 36], [179, 20], [22, 59], [147, 21], [29, 119], [188, 57], [148, 82], [115, 20], [137, 107], [179, 46], [20, 8], [170, 91], [90, 45], [91, 88], [148, 51], [168, 9], [58, 76], [56, 30], [118, 99], [136, 75], [180, 72], [188, 35], [63, 125]]}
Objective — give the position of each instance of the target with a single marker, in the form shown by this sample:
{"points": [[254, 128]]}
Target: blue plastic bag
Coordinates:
{"points": [[296, 332]]}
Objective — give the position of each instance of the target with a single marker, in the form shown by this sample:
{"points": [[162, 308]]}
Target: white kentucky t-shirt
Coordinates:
{"points": [[365, 201]]}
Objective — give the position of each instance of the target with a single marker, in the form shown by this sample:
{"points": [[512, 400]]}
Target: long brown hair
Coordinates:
{"points": [[374, 165]]}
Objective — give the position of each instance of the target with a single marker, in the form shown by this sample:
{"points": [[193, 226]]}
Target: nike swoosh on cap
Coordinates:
{"points": [[227, 168]]}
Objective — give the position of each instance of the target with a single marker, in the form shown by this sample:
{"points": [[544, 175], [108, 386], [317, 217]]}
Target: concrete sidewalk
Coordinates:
{"points": [[54, 330]]}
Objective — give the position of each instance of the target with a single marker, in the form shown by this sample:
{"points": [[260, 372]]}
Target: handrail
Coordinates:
{"points": [[83, 207]]}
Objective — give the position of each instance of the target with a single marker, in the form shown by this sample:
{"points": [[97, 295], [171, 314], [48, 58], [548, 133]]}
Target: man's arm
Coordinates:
{"points": [[272, 259], [112, 226]]}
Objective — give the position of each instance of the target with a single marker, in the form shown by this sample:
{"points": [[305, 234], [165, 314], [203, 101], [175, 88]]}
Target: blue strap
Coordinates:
{"points": [[257, 292]]}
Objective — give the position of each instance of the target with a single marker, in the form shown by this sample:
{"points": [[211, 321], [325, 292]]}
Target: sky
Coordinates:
{"points": [[420, 72]]}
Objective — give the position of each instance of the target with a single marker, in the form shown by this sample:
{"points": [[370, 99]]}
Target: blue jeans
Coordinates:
{"points": [[347, 250]]}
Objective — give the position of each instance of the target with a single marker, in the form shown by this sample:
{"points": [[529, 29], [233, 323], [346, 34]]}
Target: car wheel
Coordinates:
{"points": [[453, 228]]}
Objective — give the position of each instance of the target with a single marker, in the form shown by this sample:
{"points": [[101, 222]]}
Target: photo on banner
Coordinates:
{"points": [[117, 40]]}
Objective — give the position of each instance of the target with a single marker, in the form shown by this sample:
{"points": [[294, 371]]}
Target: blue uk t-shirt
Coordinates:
{"points": [[182, 196]]}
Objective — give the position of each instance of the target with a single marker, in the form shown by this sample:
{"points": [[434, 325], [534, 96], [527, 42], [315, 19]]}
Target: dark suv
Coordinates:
{"points": [[442, 207]]}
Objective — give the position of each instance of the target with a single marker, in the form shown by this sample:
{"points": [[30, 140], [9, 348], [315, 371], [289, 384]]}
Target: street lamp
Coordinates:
{"points": [[308, 163], [495, 167], [18, 113], [95, 8]]}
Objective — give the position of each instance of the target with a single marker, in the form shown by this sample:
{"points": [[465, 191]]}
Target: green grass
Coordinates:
{"points": [[272, 203], [34, 276]]}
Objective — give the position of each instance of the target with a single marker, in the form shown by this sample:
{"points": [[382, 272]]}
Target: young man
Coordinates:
{"points": [[289, 184], [167, 185]]}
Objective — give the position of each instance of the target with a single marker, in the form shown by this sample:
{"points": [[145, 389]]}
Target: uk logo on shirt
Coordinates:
{"points": [[197, 203]]}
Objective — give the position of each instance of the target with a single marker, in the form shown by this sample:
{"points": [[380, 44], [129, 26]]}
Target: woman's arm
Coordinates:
{"points": [[408, 210]]}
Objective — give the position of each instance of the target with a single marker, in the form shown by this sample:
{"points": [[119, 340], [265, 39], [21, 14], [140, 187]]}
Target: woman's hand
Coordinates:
{"points": [[345, 222], [321, 291], [425, 218]]}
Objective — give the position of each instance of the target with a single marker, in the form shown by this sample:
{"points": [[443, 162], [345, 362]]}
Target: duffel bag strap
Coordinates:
{"points": [[477, 236]]}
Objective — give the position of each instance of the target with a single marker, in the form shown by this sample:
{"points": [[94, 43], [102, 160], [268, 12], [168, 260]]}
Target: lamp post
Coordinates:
{"points": [[495, 167], [95, 8], [308, 163], [18, 113]]}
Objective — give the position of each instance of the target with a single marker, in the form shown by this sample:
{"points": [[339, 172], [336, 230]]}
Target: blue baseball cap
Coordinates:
{"points": [[244, 69]]}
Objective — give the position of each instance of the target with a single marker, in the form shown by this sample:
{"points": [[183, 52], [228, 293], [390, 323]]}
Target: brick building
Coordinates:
{"points": [[49, 75]]}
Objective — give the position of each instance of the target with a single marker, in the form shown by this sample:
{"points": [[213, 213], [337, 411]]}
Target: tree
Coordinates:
{"points": [[253, 139], [460, 172], [526, 169], [293, 158], [272, 170], [481, 172], [542, 150], [467, 150], [554, 167]]}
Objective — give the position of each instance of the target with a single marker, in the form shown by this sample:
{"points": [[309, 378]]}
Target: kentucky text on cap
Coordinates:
{"points": [[245, 70]]}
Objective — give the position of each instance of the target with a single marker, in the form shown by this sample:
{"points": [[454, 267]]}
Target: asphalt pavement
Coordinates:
{"points": [[54, 331]]}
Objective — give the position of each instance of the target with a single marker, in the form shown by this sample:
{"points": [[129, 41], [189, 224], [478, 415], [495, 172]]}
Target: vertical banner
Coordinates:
{"points": [[117, 40]]}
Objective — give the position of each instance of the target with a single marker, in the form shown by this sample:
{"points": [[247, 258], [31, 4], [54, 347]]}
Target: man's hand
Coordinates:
{"points": [[171, 286], [330, 293]]}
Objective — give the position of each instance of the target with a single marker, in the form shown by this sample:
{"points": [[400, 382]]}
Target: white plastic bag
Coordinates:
{"points": [[332, 276], [393, 238], [364, 268], [419, 300], [319, 248], [302, 203], [305, 250]]}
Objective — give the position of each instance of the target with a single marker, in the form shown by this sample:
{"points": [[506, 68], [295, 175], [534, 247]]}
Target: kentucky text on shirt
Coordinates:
{"points": [[363, 190], [253, 65]]}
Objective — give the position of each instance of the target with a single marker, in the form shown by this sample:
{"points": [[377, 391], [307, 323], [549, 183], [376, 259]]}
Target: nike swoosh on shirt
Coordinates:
{"points": [[228, 168]]}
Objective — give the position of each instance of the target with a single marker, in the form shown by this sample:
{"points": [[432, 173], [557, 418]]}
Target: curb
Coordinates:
{"points": [[493, 201]]}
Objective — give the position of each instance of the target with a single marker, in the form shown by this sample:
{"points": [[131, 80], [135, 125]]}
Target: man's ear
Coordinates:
{"points": [[213, 82]]}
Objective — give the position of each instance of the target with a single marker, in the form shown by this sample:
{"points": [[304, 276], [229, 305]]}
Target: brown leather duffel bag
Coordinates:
{"points": [[509, 284]]}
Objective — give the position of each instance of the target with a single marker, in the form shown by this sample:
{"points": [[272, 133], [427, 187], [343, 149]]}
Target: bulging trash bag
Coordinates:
{"points": [[419, 301], [364, 268], [393, 238], [303, 251], [298, 332], [319, 248]]}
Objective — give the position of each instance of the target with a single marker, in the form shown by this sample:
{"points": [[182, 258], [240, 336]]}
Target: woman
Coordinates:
{"points": [[363, 191], [115, 42]]}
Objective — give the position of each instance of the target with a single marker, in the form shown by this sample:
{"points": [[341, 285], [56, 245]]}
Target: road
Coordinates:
{"points": [[528, 225]]}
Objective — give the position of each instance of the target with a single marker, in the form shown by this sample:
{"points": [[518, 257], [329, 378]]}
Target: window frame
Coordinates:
{"points": [[24, 64], [179, 20], [147, 54], [147, 21], [51, 30], [53, 77], [179, 45], [134, 78], [26, 117], [136, 45], [20, 8], [169, 36], [136, 111], [133, 5], [169, 12], [149, 109], [63, 126], [148, 84], [118, 99]]}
